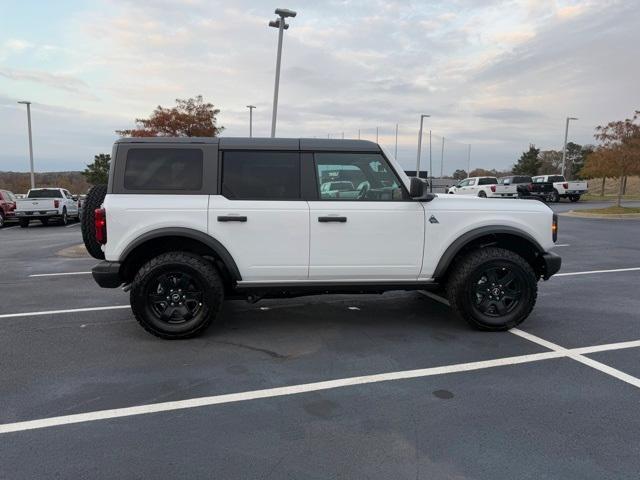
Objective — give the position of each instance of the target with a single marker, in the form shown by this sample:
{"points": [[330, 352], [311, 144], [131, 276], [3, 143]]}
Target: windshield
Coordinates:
{"points": [[45, 193]]}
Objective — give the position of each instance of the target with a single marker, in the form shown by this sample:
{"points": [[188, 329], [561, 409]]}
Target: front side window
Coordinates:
{"points": [[261, 175], [463, 183], [356, 176], [472, 182], [163, 169]]}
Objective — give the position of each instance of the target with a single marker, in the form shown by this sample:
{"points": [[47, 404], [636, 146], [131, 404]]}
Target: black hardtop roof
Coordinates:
{"points": [[246, 143]]}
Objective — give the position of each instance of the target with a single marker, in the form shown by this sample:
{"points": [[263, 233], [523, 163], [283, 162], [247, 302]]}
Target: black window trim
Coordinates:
{"points": [[405, 192], [253, 150]]}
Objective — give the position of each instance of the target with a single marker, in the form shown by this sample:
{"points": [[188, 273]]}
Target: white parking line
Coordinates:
{"points": [[574, 355], [590, 272], [55, 312], [271, 392], [78, 223], [562, 245], [58, 274]]}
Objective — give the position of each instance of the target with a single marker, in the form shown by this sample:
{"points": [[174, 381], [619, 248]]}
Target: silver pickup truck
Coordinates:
{"points": [[47, 204]]}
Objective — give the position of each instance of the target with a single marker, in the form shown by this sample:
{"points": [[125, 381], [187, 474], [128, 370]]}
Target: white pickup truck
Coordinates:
{"points": [[47, 204], [484, 187], [563, 188]]}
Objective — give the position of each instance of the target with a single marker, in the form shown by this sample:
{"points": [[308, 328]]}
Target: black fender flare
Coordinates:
{"points": [[219, 249], [465, 239]]}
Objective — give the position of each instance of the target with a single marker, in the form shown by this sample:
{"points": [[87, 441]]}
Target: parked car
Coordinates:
{"points": [[483, 187], [527, 189], [47, 204], [186, 222], [562, 188], [7, 207]]}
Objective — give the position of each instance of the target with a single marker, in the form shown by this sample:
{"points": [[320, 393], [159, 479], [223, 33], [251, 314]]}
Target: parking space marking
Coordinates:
{"points": [[72, 225], [589, 272], [272, 392], [9, 228], [578, 357], [562, 245], [55, 312], [58, 274]]}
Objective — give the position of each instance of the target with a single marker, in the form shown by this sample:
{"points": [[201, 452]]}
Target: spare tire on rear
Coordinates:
{"points": [[94, 200]]}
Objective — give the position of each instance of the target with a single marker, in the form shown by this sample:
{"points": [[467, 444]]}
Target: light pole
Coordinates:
{"points": [[377, 135], [250, 107], [564, 149], [281, 25], [33, 179], [395, 152], [468, 160], [442, 158], [430, 165], [422, 117]]}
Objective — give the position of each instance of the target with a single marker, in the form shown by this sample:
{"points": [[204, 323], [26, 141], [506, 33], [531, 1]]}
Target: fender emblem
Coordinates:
{"points": [[433, 219]]}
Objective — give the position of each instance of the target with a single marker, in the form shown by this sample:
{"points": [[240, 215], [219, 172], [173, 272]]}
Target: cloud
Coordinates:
{"points": [[60, 81]]}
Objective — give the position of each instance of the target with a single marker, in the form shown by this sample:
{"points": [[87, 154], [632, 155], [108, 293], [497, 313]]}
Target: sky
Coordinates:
{"points": [[495, 74]]}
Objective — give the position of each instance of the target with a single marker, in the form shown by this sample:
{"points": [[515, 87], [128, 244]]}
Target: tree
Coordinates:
{"points": [[98, 171], [189, 118], [459, 174], [550, 162], [618, 154], [578, 158], [529, 163]]}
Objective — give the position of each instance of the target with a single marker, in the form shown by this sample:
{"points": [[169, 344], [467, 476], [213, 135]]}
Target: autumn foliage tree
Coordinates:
{"points": [[189, 118], [618, 154]]}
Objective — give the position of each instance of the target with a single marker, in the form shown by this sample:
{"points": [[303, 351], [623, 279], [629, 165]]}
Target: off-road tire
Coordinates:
{"points": [[460, 286], [555, 196], [183, 262], [95, 198], [24, 222]]}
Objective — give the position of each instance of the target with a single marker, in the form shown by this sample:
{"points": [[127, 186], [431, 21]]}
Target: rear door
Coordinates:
{"points": [[372, 232], [259, 215]]}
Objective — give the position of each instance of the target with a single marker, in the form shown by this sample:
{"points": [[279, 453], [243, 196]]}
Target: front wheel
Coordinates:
{"points": [[176, 295], [492, 288]]}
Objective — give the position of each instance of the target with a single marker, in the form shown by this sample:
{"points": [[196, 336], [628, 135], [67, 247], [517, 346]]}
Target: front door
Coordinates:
{"points": [[259, 215], [363, 225]]}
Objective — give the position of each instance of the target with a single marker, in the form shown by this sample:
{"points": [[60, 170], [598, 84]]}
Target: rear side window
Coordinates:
{"points": [[488, 181], [260, 175], [163, 169]]}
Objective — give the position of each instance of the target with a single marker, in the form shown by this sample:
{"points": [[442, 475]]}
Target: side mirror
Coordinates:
{"points": [[416, 188]]}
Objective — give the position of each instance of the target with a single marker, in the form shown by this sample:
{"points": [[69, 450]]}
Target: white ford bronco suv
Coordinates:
{"points": [[185, 223]]}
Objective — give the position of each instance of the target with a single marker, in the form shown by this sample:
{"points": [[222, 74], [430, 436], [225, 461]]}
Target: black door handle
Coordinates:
{"points": [[232, 218], [332, 219]]}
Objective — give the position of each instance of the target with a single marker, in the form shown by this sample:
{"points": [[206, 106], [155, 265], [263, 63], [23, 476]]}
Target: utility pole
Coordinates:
{"points": [[422, 117], [250, 107], [33, 178], [564, 148], [281, 26]]}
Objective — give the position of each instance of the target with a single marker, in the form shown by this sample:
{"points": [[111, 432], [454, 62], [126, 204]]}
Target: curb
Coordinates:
{"points": [[613, 216]]}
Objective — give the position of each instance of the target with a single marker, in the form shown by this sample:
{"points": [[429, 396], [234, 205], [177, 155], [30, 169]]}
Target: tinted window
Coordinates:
{"points": [[45, 193], [163, 169], [260, 175], [488, 181], [356, 176], [522, 180], [556, 178]]}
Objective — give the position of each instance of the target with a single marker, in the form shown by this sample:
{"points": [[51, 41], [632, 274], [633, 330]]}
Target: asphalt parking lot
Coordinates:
{"points": [[381, 386]]}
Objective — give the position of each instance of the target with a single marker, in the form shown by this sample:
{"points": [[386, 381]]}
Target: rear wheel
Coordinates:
{"points": [[574, 198], [44, 221], [64, 220], [482, 194], [95, 198], [24, 222], [492, 288], [176, 295]]}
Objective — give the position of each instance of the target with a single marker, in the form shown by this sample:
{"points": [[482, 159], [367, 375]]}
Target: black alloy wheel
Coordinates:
{"points": [[175, 297], [497, 291]]}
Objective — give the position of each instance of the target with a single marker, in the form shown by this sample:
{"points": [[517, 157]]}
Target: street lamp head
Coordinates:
{"points": [[24, 102], [276, 24], [424, 115], [572, 118], [251, 106], [285, 12]]}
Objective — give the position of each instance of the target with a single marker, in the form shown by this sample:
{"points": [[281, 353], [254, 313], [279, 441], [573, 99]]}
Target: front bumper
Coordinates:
{"points": [[551, 264], [107, 274]]}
